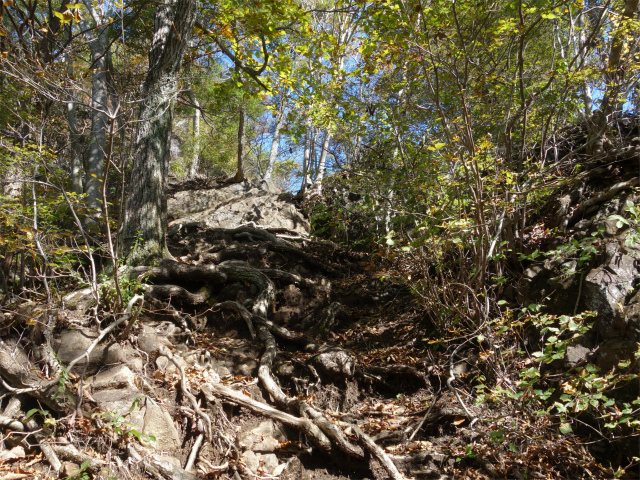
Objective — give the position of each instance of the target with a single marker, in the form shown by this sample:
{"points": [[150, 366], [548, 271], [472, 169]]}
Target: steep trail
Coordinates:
{"points": [[261, 353]]}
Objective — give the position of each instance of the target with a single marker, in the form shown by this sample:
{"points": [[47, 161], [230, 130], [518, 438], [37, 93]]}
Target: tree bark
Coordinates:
{"points": [[145, 231], [94, 167], [242, 141], [317, 183], [275, 144], [306, 160], [195, 160]]}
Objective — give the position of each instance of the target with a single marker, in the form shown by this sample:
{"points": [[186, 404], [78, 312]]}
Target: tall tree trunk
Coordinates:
{"points": [[242, 141], [614, 78], [75, 146], [195, 160], [317, 183], [94, 166], [146, 210], [275, 144], [306, 160]]}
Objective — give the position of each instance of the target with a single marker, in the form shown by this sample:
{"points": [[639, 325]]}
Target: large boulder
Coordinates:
{"points": [[605, 289], [231, 206]]}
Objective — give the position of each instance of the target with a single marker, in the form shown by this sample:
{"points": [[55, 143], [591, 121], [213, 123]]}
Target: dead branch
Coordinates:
{"points": [[184, 385]]}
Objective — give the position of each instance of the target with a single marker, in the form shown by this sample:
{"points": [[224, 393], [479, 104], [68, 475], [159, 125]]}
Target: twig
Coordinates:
{"points": [[424, 419], [194, 452], [452, 377], [103, 334], [187, 391]]}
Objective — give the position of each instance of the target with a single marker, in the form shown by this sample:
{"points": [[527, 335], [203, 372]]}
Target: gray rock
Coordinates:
{"points": [[81, 300], [269, 462], [576, 354], [266, 437], [613, 351], [611, 227], [70, 344], [251, 460], [534, 271], [583, 224], [235, 205], [605, 290], [335, 364], [115, 391], [150, 341]]}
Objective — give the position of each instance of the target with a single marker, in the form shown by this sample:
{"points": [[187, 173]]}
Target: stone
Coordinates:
{"points": [[605, 290], [266, 437], [81, 300], [534, 271], [583, 224], [71, 344], [230, 206], [611, 227], [614, 351], [115, 392], [269, 462], [251, 460], [575, 354], [334, 364], [70, 469], [150, 342]]}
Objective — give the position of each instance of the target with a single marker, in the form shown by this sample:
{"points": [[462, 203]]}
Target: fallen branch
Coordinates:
{"points": [[184, 385], [194, 452], [72, 454]]}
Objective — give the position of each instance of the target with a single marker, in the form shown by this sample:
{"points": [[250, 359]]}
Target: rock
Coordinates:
{"points": [[335, 364], [584, 224], [119, 377], [70, 344], [231, 206], [576, 353], [605, 290], [269, 462], [251, 460], [613, 351], [70, 469], [534, 272], [115, 391], [293, 470], [632, 314], [266, 437], [150, 341], [81, 300], [611, 227]]}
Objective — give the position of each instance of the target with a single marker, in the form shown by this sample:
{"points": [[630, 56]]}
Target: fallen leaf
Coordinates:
{"points": [[458, 420], [14, 454]]}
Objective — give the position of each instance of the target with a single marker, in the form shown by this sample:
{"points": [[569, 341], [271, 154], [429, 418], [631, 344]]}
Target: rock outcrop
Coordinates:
{"points": [[235, 205]]}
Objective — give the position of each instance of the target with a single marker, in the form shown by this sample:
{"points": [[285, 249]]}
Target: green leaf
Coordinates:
{"points": [[565, 428]]}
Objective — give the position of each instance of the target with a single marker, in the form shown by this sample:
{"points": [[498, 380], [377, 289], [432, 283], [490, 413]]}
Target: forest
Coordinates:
{"points": [[320, 239]]}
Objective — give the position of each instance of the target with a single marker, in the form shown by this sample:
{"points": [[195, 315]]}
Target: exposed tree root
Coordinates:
{"points": [[602, 197]]}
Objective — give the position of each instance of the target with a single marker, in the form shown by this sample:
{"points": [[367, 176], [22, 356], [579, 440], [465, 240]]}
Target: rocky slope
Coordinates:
{"points": [[258, 353]]}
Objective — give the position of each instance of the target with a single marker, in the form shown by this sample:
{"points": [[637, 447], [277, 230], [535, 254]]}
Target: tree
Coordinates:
{"points": [[146, 210]]}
